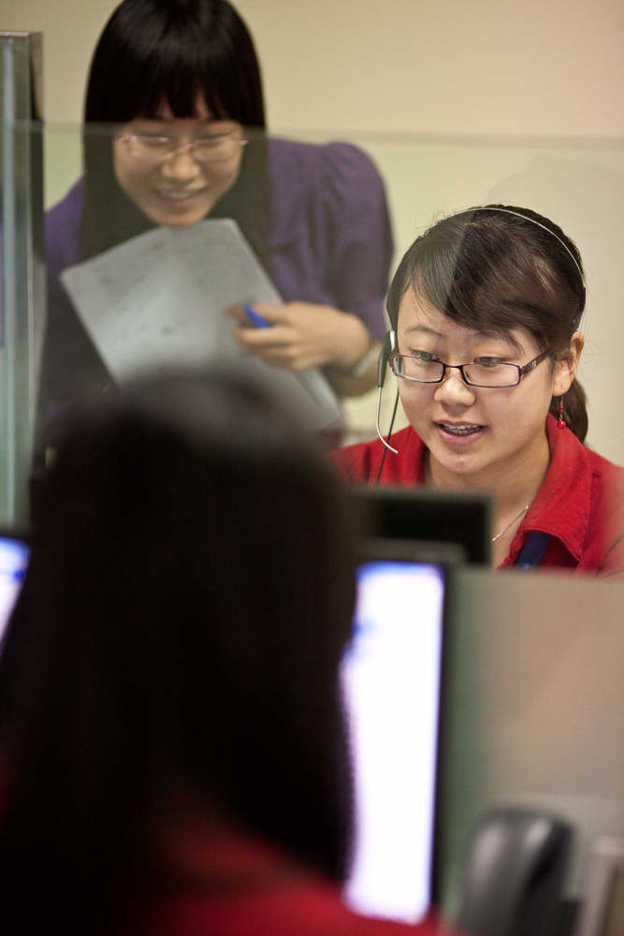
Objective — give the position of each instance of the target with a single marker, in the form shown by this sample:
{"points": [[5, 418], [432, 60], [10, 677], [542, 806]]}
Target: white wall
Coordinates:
{"points": [[485, 100]]}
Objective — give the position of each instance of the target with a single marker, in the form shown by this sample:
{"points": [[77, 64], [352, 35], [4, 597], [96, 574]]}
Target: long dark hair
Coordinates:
{"points": [[189, 595], [491, 269], [155, 51]]}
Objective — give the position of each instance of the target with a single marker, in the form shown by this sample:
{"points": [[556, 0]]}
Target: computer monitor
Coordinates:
{"points": [[13, 561], [391, 678], [407, 513]]}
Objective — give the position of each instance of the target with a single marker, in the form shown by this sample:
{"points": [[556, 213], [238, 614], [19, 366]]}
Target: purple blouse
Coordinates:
{"points": [[330, 240]]}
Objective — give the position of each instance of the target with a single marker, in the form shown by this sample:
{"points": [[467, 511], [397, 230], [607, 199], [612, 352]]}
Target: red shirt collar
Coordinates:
{"points": [[561, 507]]}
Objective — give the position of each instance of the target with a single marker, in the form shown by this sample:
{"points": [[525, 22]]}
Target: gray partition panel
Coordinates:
{"points": [[534, 702]]}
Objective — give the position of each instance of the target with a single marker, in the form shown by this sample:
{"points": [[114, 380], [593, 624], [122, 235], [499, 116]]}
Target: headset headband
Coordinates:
{"points": [[544, 228]]}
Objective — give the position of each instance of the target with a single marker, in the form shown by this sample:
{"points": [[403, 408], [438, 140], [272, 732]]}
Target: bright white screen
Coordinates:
{"points": [[13, 559], [391, 683]]}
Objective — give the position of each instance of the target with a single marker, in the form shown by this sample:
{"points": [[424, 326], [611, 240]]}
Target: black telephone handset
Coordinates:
{"points": [[514, 874]]}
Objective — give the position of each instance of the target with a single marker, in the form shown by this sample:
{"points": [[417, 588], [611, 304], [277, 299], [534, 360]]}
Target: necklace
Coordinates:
{"points": [[511, 523]]}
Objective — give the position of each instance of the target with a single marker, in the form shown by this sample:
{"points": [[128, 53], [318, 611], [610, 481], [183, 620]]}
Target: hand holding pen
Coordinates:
{"points": [[300, 335]]}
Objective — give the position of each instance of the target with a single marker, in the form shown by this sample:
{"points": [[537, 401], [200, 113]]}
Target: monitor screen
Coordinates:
{"points": [[391, 677], [13, 562]]}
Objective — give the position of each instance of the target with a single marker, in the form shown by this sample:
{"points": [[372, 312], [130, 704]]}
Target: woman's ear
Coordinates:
{"points": [[566, 364]]}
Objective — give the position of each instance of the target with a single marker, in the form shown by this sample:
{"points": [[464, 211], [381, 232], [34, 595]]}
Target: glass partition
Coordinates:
{"points": [[579, 184], [324, 243]]}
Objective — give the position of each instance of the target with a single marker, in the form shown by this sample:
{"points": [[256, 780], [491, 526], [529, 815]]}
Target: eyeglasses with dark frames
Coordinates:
{"points": [[486, 373]]}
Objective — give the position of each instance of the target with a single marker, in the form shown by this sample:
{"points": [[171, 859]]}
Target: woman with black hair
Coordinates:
{"points": [[485, 310], [181, 82], [171, 733]]}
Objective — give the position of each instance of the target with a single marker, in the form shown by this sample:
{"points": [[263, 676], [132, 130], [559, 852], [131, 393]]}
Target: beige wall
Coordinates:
{"points": [[435, 66]]}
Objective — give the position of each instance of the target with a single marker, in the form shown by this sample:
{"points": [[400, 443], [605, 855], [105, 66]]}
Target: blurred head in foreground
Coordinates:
{"points": [[179, 632]]}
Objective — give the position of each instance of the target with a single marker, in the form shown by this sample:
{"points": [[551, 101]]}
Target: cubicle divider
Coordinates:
{"points": [[533, 710]]}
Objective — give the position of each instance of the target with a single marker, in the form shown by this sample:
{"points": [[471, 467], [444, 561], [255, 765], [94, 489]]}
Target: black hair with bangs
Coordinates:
{"points": [[157, 50], [497, 268], [170, 51]]}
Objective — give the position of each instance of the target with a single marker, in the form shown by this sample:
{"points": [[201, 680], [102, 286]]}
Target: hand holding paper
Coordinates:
{"points": [[157, 301], [303, 335]]}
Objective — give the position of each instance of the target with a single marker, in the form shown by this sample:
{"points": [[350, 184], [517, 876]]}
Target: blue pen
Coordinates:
{"points": [[255, 318]]}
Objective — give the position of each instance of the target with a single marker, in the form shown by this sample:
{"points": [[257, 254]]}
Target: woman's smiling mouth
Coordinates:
{"points": [[459, 431], [180, 194]]}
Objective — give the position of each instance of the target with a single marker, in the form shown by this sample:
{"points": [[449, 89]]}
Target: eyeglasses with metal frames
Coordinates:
{"points": [[157, 147], [486, 373]]}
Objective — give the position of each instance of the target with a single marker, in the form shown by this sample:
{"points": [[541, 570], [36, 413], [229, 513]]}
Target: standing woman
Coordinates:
{"points": [[181, 82], [485, 310]]}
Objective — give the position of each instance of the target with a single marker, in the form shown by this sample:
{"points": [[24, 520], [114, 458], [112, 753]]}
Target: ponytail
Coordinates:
{"points": [[574, 409]]}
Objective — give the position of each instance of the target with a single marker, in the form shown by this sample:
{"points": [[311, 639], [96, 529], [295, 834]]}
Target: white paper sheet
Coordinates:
{"points": [[158, 301]]}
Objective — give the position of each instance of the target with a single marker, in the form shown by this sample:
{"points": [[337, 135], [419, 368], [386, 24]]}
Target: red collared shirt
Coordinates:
{"points": [[580, 502]]}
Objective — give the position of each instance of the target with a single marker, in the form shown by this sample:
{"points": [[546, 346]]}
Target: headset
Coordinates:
{"points": [[388, 349], [390, 344]]}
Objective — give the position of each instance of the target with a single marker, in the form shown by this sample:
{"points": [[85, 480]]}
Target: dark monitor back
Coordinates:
{"points": [[426, 515]]}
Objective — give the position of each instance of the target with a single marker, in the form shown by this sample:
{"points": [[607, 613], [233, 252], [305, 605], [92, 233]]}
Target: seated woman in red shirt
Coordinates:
{"points": [[170, 721], [485, 309]]}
